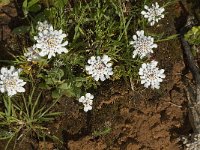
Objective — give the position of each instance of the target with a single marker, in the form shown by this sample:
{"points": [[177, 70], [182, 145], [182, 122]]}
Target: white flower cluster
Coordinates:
{"points": [[10, 82], [87, 101], [48, 42], [99, 68], [150, 75], [153, 13], [142, 44]]}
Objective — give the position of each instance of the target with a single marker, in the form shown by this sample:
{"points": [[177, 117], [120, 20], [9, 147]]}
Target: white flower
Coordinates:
{"points": [[150, 75], [87, 101], [32, 54], [99, 67], [153, 14], [10, 82], [43, 26], [142, 44], [51, 42]]}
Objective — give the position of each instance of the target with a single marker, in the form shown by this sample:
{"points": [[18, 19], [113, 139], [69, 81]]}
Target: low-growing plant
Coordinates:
{"points": [[25, 114], [73, 47]]}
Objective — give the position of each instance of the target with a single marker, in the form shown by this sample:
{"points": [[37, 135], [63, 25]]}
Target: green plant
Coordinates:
{"points": [[94, 28], [25, 114], [193, 35]]}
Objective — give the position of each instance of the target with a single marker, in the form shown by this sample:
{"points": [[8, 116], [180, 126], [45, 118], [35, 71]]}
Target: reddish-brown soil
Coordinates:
{"points": [[138, 120], [125, 118]]}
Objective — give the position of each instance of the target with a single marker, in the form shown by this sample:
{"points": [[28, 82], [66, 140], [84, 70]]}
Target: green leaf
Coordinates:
{"points": [[50, 81], [55, 74], [55, 94], [25, 7], [35, 8], [44, 86], [50, 12], [40, 76], [25, 4], [69, 92], [31, 3], [65, 86], [80, 79], [4, 134], [193, 35], [21, 30], [53, 114], [40, 16], [78, 84], [60, 3], [60, 73], [174, 36]]}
